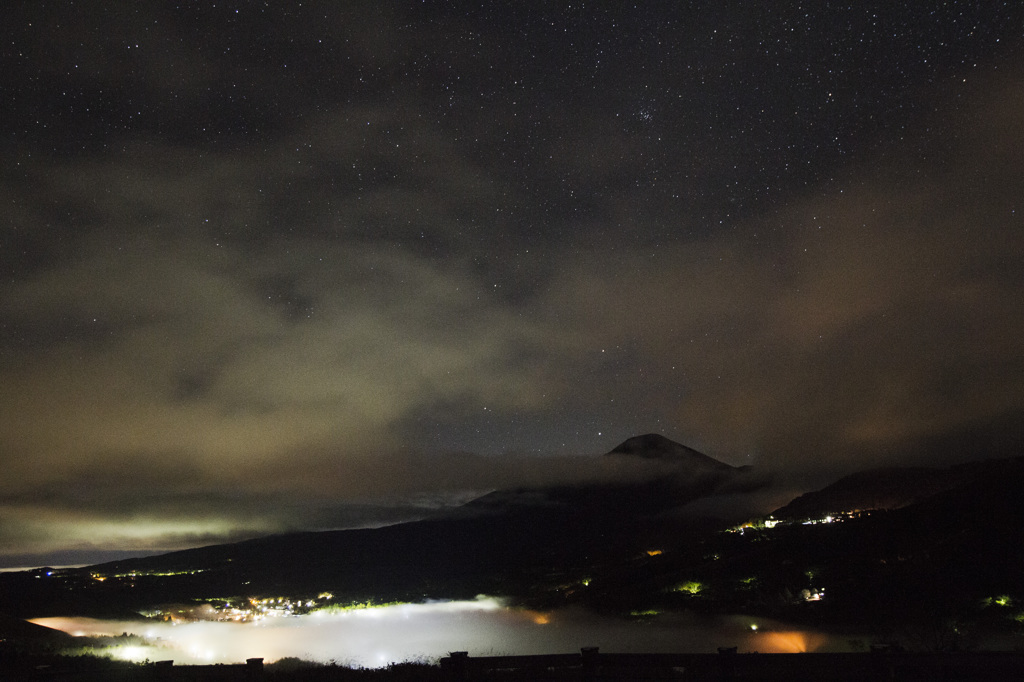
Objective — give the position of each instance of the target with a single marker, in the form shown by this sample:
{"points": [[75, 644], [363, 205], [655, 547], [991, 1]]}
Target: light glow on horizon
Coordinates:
{"points": [[792, 642]]}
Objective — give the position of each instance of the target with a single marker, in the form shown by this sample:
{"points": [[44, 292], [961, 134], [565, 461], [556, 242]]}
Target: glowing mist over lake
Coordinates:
{"points": [[377, 636]]}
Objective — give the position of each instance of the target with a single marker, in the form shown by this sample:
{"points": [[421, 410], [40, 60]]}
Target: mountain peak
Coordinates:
{"points": [[657, 446]]}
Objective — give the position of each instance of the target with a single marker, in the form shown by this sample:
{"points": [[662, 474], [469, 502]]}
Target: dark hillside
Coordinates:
{"points": [[891, 488]]}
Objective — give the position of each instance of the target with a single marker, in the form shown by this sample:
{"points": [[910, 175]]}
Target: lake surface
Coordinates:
{"points": [[484, 627]]}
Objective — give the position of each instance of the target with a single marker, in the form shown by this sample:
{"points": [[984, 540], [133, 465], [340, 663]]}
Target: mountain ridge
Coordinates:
{"points": [[654, 446], [889, 488]]}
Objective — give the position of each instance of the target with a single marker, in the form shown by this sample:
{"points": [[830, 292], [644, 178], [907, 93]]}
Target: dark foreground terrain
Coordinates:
{"points": [[587, 666]]}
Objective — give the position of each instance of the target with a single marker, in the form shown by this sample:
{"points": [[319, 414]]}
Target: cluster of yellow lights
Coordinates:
{"points": [[771, 522], [691, 586], [135, 574]]}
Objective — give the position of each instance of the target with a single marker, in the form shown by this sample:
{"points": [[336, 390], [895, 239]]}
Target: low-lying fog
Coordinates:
{"points": [[484, 627]]}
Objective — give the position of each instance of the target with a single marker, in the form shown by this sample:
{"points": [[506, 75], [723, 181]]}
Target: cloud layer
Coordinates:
{"points": [[371, 307]]}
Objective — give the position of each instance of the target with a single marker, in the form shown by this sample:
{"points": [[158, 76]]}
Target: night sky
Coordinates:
{"points": [[279, 265]]}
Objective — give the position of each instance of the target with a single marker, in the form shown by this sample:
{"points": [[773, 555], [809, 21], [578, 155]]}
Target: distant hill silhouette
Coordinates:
{"points": [[893, 487], [12, 628]]}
